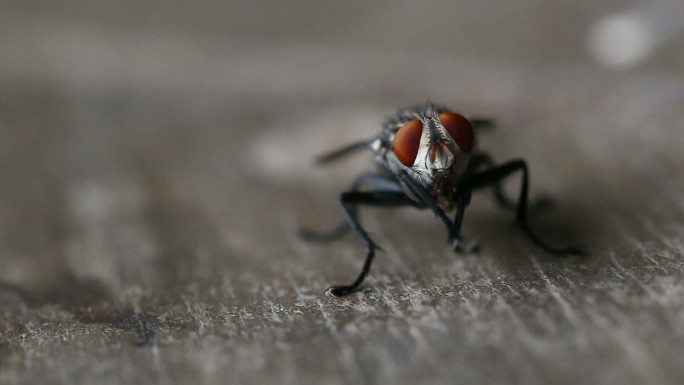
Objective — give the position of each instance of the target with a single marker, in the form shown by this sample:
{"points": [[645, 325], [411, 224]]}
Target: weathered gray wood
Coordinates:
{"points": [[151, 192]]}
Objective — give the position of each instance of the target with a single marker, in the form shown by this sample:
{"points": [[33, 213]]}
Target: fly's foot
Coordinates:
{"points": [[464, 246], [341, 291], [569, 251], [559, 251]]}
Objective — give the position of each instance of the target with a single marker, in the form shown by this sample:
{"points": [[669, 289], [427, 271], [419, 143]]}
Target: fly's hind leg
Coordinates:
{"points": [[484, 161], [494, 176]]}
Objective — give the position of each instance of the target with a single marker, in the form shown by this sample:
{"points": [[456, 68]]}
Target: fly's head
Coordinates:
{"points": [[436, 148]]}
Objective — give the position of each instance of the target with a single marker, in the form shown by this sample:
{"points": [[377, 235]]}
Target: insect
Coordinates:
{"points": [[427, 157]]}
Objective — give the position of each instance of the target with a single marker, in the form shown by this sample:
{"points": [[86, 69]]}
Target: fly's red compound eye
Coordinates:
{"points": [[460, 130], [407, 141]]}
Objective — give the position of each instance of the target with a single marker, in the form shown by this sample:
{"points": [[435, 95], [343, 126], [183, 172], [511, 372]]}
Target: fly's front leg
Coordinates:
{"points": [[453, 228], [496, 175], [349, 201], [457, 241], [368, 180]]}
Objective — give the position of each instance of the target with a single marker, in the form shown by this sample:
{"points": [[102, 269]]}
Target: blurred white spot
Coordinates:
{"points": [[621, 40], [629, 37]]}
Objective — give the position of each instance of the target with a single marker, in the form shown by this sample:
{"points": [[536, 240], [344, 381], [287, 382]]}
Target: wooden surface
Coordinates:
{"points": [[154, 173]]}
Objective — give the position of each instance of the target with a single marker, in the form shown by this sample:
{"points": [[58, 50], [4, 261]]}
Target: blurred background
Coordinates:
{"points": [[156, 164], [303, 47]]}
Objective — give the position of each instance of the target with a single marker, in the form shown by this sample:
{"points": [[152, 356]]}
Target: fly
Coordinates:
{"points": [[427, 157]]}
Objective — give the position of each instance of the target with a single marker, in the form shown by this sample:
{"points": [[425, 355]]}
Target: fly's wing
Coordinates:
{"points": [[481, 124], [344, 151]]}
